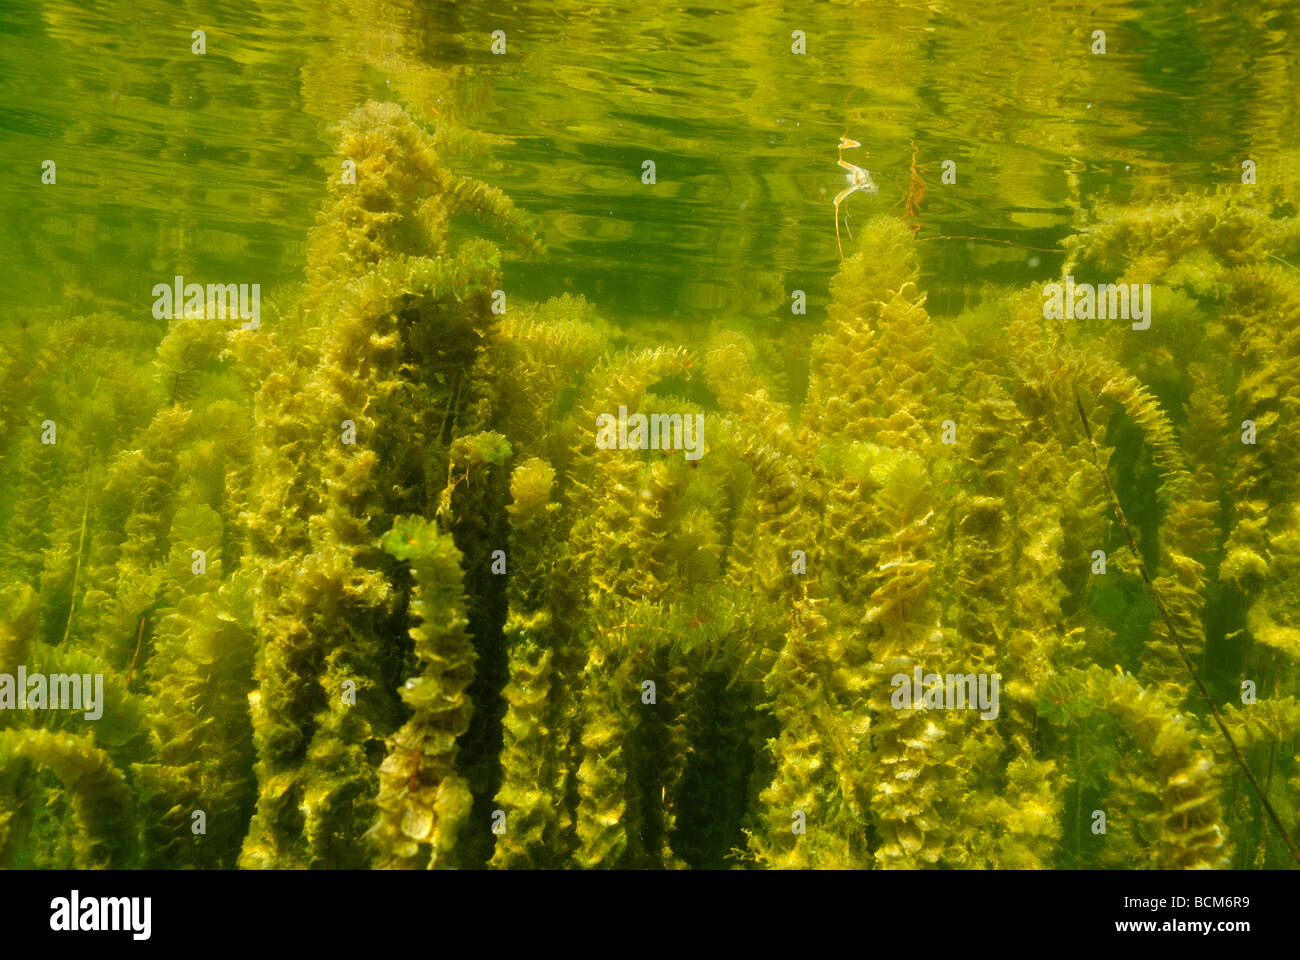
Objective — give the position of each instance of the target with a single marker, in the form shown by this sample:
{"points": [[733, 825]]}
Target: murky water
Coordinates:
{"points": [[894, 402], [216, 162]]}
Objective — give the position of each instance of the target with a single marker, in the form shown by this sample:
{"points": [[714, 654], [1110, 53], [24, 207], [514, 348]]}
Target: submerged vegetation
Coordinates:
{"points": [[365, 591]]}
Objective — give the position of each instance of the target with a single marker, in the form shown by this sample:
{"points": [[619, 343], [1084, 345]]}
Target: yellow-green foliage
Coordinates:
{"points": [[101, 799], [606, 815], [422, 801], [18, 607], [434, 624], [1191, 241], [533, 773], [545, 348], [199, 674], [1164, 812], [376, 359]]}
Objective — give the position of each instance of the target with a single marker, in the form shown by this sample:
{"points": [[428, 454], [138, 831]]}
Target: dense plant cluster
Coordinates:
{"points": [[438, 626]]}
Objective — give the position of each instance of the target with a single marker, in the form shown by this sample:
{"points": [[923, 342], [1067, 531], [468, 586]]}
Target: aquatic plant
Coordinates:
{"points": [[365, 590], [422, 801]]}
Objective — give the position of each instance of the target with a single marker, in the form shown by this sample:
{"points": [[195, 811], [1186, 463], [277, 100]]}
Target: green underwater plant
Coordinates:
{"points": [[366, 591], [422, 801]]}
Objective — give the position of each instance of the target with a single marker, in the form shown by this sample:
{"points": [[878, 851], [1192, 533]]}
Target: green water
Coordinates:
{"points": [[1008, 148], [168, 159]]}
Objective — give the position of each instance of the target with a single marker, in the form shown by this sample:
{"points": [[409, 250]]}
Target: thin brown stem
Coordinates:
{"points": [[76, 573], [138, 638], [1005, 243]]}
